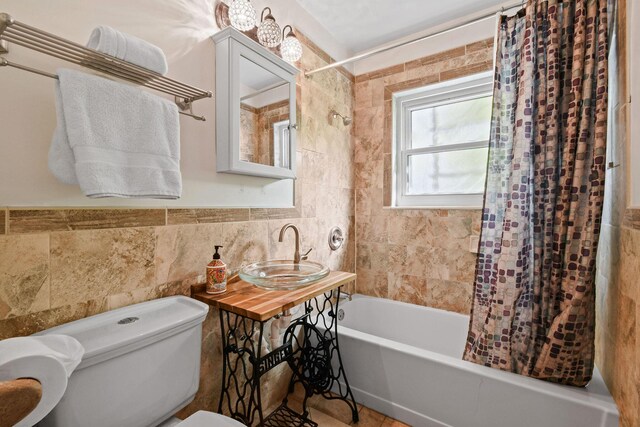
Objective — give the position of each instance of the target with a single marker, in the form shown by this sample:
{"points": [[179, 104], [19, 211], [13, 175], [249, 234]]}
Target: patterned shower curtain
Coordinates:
{"points": [[534, 302]]}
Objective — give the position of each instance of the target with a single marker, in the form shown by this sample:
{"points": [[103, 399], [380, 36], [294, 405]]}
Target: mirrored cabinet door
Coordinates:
{"points": [[264, 116], [255, 109]]}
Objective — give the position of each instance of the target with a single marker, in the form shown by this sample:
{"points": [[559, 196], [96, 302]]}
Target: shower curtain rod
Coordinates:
{"points": [[383, 49]]}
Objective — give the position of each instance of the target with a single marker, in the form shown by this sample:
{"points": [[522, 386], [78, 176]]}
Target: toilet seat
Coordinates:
{"points": [[209, 419]]}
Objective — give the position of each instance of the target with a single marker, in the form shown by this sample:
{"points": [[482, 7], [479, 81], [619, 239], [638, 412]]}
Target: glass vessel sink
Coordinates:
{"points": [[279, 275]]}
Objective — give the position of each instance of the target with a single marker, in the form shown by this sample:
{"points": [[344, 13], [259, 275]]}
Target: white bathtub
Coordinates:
{"points": [[405, 361]]}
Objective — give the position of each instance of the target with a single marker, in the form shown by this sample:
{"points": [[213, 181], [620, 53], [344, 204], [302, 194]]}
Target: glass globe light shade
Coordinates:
{"points": [[291, 48], [269, 31], [242, 15]]}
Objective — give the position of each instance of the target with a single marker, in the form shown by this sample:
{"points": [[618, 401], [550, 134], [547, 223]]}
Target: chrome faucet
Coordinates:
{"points": [[296, 255]]}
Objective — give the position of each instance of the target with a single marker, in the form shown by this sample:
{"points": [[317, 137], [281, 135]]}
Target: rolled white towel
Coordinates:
{"points": [[128, 48], [65, 349]]}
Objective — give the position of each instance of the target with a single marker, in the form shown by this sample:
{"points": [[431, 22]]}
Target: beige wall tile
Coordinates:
{"points": [[408, 288], [245, 242], [449, 295], [183, 251], [368, 201], [38, 321], [24, 274], [371, 229], [89, 265], [372, 283]]}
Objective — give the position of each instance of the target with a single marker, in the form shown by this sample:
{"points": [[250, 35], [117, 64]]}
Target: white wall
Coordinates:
{"points": [[182, 29], [452, 39]]}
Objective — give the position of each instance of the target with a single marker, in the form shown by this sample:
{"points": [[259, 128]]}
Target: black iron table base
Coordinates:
{"points": [[310, 347]]}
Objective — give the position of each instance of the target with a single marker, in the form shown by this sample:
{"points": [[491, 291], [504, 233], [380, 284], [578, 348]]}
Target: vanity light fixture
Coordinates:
{"points": [[268, 30], [290, 48], [242, 15]]}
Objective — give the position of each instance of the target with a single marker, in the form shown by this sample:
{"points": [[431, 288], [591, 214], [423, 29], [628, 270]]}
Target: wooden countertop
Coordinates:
{"points": [[248, 300]]}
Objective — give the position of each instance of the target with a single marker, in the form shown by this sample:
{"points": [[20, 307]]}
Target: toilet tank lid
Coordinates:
{"points": [[123, 330]]}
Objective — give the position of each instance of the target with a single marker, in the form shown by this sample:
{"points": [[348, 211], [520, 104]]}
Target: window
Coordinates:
{"points": [[442, 143], [281, 144]]}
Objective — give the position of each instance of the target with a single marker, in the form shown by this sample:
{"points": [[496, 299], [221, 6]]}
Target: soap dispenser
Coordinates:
{"points": [[216, 274]]}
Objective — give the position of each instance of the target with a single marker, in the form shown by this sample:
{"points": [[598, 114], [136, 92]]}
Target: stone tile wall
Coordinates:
{"points": [[59, 265], [419, 256]]}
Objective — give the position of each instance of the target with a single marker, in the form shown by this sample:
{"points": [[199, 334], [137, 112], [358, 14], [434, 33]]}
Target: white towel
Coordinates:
{"points": [[115, 140], [128, 48]]}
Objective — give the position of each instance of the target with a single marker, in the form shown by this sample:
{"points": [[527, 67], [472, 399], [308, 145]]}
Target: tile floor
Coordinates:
{"points": [[368, 418], [331, 413]]}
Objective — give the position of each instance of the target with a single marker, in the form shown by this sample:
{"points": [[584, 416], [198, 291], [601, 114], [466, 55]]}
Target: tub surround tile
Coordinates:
{"points": [[407, 288], [93, 264], [466, 70], [372, 283], [50, 220], [458, 52], [205, 216], [371, 229], [306, 193], [449, 295], [426, 250], [387, 180], [368, 201], [384, 72], [373, 256]]}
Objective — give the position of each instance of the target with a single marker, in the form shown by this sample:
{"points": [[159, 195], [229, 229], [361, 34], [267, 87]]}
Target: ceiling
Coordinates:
{"points": [[364, 24]]}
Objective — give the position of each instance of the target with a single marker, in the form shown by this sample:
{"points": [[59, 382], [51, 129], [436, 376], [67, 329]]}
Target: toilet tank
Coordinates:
{"points": [[141, 365]]}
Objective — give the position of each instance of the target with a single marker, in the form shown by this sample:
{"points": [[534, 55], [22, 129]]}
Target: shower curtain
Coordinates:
{"points": [[533, 307]]}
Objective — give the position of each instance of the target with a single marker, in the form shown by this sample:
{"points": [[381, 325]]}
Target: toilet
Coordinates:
{"points": [[141, 365]]}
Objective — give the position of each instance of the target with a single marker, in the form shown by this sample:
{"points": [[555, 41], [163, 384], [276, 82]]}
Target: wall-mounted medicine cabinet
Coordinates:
{"points": [[255, 108]]}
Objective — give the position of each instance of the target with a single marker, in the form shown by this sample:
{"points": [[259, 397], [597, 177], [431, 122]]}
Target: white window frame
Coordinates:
{"points": [[462, 89], [281, 138]]}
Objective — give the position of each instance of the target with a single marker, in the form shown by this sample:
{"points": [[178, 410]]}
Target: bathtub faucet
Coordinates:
{"points": [[342, 295]]}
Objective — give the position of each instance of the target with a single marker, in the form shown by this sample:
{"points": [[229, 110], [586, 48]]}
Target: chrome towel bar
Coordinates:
{"points": [[49, 44]]}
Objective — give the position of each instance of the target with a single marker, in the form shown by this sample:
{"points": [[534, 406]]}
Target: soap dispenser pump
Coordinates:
{"points": [[216, 274]]}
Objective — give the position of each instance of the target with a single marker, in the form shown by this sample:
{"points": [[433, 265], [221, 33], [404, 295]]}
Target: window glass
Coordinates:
{"points": [[464, 121], [447, 172]]}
